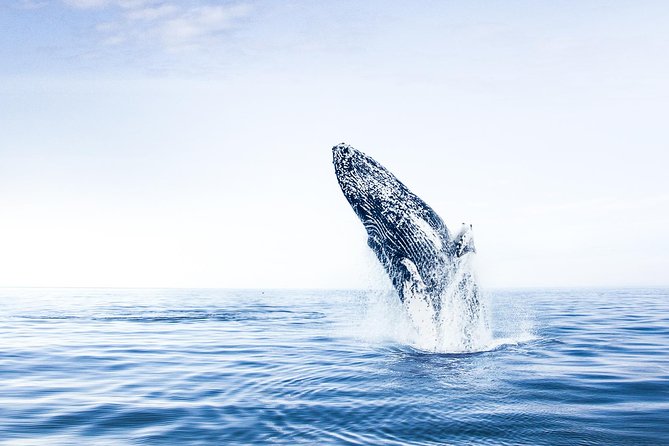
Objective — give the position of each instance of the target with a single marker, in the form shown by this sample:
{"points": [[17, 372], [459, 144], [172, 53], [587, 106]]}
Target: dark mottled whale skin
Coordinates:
{"points": [[410, 240]]}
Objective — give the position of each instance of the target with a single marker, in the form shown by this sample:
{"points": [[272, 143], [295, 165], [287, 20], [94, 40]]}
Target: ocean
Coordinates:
{"points": [[244, 367]]}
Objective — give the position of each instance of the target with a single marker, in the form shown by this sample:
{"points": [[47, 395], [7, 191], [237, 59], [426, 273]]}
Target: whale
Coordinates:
{"points": [[416, 249]]}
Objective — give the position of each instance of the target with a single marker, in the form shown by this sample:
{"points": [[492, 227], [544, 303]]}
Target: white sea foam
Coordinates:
{"points": [[463, 325]]}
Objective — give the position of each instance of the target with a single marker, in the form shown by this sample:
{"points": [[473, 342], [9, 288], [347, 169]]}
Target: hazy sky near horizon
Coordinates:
{"points": [[187, 143]]}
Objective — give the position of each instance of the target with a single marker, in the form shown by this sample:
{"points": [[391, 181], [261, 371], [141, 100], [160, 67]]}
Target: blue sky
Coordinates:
{"points": [[163, 143]]}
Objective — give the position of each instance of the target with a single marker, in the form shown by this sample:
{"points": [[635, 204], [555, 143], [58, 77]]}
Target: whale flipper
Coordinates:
{"points": [[464, 241]]}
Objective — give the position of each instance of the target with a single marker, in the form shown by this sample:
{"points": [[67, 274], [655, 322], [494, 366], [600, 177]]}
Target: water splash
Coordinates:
{"points": [[459, 321]]}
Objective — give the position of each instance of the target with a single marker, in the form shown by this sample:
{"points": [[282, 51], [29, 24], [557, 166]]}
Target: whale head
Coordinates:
{"points": [[402, 229], [365, 183]]}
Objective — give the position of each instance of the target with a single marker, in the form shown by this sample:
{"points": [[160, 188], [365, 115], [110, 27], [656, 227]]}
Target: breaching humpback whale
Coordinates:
{"points": [[411, 241]]}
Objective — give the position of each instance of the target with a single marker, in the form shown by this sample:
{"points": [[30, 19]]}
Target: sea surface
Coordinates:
{"points": [[196, 366]]}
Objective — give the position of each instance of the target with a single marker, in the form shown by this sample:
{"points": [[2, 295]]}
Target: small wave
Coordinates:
{"points": [[494, 345], [177, 316], [501, 343]]}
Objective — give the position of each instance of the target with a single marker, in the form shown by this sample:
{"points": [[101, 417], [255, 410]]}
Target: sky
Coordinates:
{"points": [[161, 143]]}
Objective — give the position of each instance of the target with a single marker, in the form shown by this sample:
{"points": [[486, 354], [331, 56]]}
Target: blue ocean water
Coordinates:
{"points": [[131, 366]]}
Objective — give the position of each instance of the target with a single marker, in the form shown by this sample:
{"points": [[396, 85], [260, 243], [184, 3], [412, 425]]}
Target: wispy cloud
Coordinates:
{"points": [[86, 4], [32, 4], [92, 4], [152, 12], [168, 24]]}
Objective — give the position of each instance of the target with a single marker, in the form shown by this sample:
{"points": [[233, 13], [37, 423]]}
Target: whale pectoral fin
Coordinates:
{"points": [[416, 301], [464, 241], [410, 281]]}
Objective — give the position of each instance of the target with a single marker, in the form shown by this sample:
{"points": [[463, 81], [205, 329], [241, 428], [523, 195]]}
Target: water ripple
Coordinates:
{"points": [[301, 367]]}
